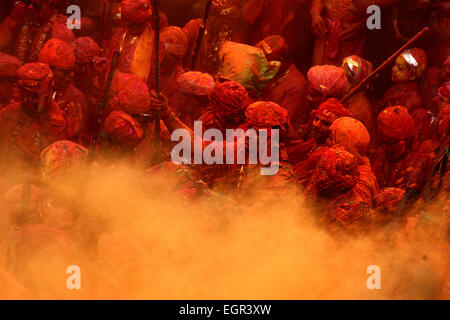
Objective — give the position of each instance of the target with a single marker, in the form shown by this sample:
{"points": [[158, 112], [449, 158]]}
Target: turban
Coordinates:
{"points": [[136, 11], [34, 71], [131, 94], [263, 114], [331, 110], [327, 80], [196, 83], [337, 171], [57, 53], [175, 41], [122, 128], [351, 134], [396, 123], [426, 123], [356, 68], [389, 199], [274, 48], [8, 65], [444, 120], [229, 98], [85, 50], [416, 60], [444, 90], [61, 157]]}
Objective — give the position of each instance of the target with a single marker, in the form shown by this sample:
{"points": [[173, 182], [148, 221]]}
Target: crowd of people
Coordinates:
{"points": [[77, 97]]}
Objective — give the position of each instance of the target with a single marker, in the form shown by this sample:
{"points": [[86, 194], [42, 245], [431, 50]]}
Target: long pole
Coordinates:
{"points": [[384, 64], [201, 34]]}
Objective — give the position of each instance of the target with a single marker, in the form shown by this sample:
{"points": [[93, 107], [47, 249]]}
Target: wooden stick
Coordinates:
{"points": [[384, 64]]}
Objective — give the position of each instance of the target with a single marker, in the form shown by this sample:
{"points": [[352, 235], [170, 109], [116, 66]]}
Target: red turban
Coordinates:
{"points": [[57, 53], [137, 11], [61, 157], [122, 128], [444, 120], [175, 41], [196, 83], [416, 59], [331, 110], [396, 123], [229, 98], [85, 50], [263, 114], [351, 134], [34, 71], [336, 172], [444, 90], [131, 94], [274, 48], [356, 68], [327, 80], [8, 65]]}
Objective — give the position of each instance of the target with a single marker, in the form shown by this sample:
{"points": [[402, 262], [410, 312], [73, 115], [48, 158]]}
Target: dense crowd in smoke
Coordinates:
{"points": [[91, 120]]}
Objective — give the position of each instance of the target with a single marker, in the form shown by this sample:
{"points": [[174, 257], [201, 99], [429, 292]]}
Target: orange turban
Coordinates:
{"points": [[332, 109], [137, 11], [131, 94], [263, 114], [327, 81], [396, 123], [122, 128], [351, 134], [57, 53]]}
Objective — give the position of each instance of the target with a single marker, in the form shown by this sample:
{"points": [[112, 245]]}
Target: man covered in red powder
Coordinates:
{"points": [[174, 42], [352, 135], [122, 134], [340, 30], [135, 40], [227, 104], [29, 126], [400, 162], [61, 59], [194, 89], [268, 115], [27, 28], [130, 94], [289, 87], [356, 69], [259, 115], [325, 82], [408, 68], [89, 78], [315, 136], [332, 188]]}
